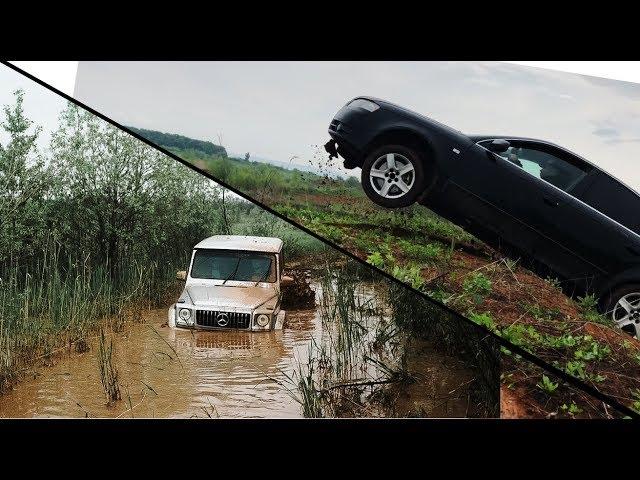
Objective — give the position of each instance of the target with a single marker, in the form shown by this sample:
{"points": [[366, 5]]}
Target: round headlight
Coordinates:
{"points": [[262, 320], [184, 314]]}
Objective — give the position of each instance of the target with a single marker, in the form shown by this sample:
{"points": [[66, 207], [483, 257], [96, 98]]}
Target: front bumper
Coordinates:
{"points": [[330, 147], [219, 319], [353, 130], [341, 144]]}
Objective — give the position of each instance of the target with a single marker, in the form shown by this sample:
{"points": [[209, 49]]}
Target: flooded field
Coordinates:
{"points": [[164, 372]]}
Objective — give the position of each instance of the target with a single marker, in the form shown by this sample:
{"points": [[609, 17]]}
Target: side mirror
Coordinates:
{"points": [[499, 146], [286, 280], [181, 275]]}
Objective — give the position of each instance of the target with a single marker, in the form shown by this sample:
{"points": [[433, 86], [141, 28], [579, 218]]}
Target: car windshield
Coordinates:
{"points": [[233, 265]]}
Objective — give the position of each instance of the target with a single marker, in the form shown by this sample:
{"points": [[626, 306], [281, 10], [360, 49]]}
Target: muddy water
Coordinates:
{"points": [[227, 374], [165, 372]]}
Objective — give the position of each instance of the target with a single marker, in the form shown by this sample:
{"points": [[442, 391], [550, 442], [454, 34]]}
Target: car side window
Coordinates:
{"points": [[563, 173], [615, 200]]}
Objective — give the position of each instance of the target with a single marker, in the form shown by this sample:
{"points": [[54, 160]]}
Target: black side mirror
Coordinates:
{"points": [[499, 145]]}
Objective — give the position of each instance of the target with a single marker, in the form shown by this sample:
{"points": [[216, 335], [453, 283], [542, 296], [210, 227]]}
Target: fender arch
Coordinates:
{"points": [[404, 136], [631, 275]]}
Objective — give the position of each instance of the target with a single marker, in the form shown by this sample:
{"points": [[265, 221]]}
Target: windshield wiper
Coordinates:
{"points": [[264, 275], [235, 270]]}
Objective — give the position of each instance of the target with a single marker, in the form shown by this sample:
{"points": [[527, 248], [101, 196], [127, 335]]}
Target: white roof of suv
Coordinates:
{"points": [[241, 242]]}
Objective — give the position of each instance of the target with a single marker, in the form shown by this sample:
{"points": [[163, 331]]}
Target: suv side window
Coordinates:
{"points": [[615, 200], [561, 171]]}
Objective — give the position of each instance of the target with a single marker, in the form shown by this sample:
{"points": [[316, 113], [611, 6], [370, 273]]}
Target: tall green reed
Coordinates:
{"points": [[55, 301], [348, 362], [108, 370]]}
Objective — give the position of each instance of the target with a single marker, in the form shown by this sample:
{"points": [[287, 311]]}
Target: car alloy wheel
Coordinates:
{"points": [[392, 175], [626, 313]]}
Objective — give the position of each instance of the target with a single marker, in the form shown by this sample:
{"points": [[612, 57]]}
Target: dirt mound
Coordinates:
{"points": [[513, 405], [299, 293]]}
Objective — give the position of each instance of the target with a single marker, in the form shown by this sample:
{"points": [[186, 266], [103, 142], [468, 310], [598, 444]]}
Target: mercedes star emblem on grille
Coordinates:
{"points": [[222, 319]]}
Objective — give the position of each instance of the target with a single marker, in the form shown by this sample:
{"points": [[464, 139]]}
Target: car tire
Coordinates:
{"points": [[627, 320], [389, 186]]}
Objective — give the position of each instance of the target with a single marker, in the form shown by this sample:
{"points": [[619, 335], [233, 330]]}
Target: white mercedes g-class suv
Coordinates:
{"points": [[233, 282]]}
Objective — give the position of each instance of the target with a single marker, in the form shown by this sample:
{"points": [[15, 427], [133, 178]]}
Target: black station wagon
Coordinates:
{"points": [[528, 198]]}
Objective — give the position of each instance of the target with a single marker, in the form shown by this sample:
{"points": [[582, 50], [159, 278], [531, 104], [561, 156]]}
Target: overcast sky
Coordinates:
{"points": [[282, 109]]}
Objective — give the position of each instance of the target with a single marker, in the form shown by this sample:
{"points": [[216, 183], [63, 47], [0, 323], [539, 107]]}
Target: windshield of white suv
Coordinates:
{"points": [[230, 265]]}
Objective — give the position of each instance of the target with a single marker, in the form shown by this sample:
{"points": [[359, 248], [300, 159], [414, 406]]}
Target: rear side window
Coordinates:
{"points": [[616, 201]]}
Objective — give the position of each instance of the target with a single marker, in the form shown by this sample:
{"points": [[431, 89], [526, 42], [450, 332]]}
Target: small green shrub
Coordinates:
{"points": [[376, 260], [588, 302], [547, 385], [477, 286], [636, 395], [421, 252], [525, 336], [553, 282], [410, 275], [571, 409], [485, 319], [591, 350], [562, 341], [576, 368]]}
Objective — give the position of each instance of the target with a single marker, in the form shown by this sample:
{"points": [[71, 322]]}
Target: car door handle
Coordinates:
{"points": [[552, 202], [633, 250]]}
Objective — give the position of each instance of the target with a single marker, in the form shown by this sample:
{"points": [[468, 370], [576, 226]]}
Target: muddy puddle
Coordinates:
{"points": [[164, 372]]}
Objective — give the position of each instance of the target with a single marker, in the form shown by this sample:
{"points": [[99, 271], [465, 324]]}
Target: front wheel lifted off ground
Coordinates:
{"points": [[393, 176]]}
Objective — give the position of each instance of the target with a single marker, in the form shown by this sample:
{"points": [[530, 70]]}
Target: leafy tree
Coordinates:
{"points": [[23, 185], [128, 199]]}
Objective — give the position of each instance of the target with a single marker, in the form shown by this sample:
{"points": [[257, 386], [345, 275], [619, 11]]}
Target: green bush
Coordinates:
{"points": [[477, 286], [421, 252]]}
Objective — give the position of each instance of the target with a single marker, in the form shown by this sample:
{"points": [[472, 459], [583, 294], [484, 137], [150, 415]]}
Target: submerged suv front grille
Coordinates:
{"points": [[216, 319]]}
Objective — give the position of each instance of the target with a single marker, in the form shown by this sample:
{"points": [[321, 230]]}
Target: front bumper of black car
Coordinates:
{"points": [[341, 144], [351, 131], [352, 158]]}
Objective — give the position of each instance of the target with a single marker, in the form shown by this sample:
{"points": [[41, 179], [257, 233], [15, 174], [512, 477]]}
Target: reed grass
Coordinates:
{"points": [[54, 303], [108, 370], [348, 363], [367, 329]]}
